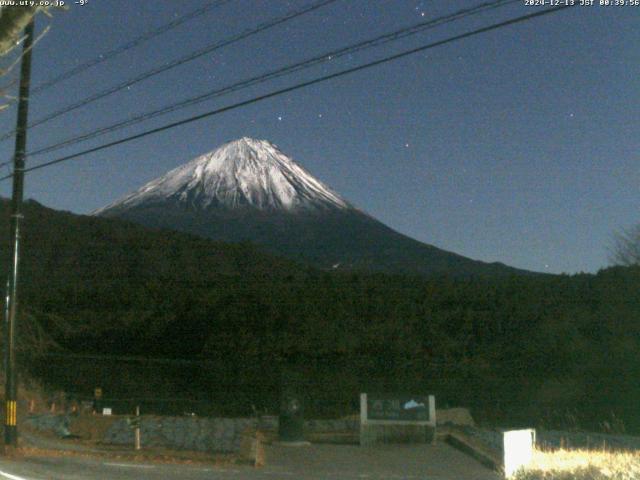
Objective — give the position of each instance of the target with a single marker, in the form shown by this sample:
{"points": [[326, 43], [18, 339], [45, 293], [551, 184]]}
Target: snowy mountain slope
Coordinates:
{"points": [[242, 173], [249, 191]]}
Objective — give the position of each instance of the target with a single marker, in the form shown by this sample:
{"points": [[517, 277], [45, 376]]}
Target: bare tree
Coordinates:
{"points": [[13, 20], [626, 247]]}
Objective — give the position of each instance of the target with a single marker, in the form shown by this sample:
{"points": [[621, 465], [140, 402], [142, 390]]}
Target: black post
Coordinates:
{"points": [[11, 381], [291, 419]]}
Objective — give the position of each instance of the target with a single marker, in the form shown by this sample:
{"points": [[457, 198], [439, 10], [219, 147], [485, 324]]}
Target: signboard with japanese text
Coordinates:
{"points": [[403, 408], [397, 409], [387, 418]]}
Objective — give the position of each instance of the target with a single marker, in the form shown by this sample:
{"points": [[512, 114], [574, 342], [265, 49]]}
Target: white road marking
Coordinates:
{"points": [[127, 465], [12, 477]]}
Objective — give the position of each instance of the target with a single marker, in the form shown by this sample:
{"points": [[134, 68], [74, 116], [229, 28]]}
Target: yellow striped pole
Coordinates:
{"points": [[11, 413]]}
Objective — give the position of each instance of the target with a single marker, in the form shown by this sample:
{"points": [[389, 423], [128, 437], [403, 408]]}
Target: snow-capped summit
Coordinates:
{"points": [[242, 173]]}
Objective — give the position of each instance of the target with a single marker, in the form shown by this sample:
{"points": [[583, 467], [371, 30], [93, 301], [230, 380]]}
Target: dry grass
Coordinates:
{"points": [[582, 465]]}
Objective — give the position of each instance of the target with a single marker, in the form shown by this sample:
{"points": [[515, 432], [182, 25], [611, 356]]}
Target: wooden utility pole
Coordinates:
{"points": [[11, 308]]}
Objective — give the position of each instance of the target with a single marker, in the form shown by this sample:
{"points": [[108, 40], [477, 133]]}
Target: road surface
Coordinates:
{"points": [[316, 462]]}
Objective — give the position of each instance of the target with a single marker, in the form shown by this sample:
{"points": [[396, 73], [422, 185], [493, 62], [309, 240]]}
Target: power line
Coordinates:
{"points": [[292, 68], [214, 360], [129, 45], [175, 63], [298, 86]]}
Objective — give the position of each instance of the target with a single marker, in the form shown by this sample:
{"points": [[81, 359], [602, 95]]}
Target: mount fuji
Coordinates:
{"points": [[249, 191]]}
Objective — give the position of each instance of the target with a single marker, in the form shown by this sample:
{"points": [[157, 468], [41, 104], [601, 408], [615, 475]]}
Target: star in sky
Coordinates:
{"points": [[357, 133]]}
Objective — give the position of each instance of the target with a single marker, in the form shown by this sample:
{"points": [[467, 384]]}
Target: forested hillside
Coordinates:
{"points": [[556, 350]]}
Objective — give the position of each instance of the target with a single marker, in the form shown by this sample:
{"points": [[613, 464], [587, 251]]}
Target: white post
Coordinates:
{"points": [[363, 419], [432, 410], [363, 408], [432, 415], [518, 450], [137, 431]]}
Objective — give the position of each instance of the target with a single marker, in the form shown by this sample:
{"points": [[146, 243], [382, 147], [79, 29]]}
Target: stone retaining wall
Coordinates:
{"points": [[332, 426], [47, 422], [204, 434], [184, 433]]}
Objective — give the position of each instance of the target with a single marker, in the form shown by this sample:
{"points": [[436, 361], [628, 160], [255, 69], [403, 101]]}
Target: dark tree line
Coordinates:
{"points": [[518, 350]]}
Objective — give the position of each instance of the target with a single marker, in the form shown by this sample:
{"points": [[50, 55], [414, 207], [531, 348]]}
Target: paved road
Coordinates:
{"points": [[317, 462]]}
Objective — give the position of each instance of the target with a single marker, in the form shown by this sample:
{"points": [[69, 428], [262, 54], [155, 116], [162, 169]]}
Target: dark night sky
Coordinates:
{"points": [[520, 145]]}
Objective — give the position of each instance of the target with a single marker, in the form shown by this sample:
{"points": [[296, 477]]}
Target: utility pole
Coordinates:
{"points": [[11, 309]]}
